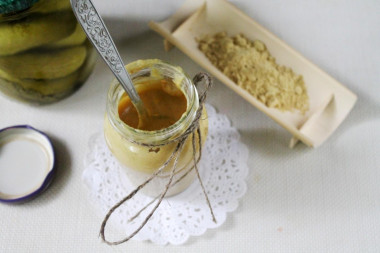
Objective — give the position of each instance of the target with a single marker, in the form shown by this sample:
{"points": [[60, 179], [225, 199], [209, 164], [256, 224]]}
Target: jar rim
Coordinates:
{"points": [[161, 136]]}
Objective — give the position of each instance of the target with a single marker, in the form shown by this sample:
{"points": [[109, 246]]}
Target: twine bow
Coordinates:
{"points": [[191, 130]]}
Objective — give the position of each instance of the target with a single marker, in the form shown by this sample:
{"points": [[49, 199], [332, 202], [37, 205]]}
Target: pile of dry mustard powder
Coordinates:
{"points": [[250, 65]]}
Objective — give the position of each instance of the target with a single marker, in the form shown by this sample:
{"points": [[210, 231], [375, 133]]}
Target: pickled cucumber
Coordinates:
{"points": [[6, 76], [35, 31], [50, 86], [16, 91], [47, 6], [75, 39], [44, 64]]}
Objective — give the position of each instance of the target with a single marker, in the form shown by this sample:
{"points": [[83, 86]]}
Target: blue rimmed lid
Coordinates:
{"points": [[27, 163]]}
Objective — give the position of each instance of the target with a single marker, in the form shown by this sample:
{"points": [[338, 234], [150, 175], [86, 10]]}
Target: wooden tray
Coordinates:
{"points": [[330, 101]]}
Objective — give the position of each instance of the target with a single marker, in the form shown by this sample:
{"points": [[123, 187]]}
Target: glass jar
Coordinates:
{"points": [[140, 161], [44, 54]]}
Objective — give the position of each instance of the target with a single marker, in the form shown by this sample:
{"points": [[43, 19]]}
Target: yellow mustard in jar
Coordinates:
{"points": [[172, 98]]}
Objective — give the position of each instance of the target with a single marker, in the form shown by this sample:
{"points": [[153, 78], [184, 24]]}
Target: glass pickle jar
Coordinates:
{"points": [[138, 161], [44, 54]]}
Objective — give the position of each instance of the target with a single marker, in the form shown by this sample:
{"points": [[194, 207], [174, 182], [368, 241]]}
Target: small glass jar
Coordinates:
{"points": [[44, 53], [140, 161]]}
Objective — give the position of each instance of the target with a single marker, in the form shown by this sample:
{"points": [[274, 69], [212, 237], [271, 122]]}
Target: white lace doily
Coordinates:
{"points": [[223, 169]]}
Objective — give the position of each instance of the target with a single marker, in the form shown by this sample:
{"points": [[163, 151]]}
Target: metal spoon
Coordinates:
{"points": [[96, 31]]}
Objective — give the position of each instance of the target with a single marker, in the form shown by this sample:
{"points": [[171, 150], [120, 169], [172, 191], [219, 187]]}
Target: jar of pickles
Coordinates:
{"points": [[44, 54], [171, 100]]}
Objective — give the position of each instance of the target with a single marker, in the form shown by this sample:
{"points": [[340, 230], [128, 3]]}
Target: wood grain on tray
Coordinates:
{"points": [[330, 101]]}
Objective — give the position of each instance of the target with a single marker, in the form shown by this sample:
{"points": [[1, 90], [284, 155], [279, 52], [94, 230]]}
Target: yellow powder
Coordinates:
{"points": [[251, 66]]}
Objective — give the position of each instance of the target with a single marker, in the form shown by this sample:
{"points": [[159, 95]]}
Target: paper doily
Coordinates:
{"points": [[223, 169]]}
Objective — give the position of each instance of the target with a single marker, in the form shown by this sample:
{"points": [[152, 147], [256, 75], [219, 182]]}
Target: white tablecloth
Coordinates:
{"points": [[300, 200]]}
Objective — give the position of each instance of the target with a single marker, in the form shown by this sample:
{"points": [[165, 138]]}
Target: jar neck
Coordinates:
{"points": [[165, 135]]}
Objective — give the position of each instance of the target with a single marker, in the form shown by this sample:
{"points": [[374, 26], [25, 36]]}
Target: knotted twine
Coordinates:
{"points": [[193, 129]]}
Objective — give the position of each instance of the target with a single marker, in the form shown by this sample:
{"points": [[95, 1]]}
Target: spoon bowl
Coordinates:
{"points": [[97, 32]]}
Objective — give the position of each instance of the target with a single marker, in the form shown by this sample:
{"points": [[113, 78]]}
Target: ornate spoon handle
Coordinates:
{"points": [[96, 31]]}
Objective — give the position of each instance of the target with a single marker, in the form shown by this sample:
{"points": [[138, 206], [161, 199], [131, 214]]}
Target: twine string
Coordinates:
{"points": [[193, 129], [198, 175], [155, 198]]}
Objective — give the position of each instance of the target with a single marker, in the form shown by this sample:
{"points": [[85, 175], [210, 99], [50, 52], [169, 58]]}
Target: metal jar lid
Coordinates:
{"points": [[27, 163], [12, 6]]}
